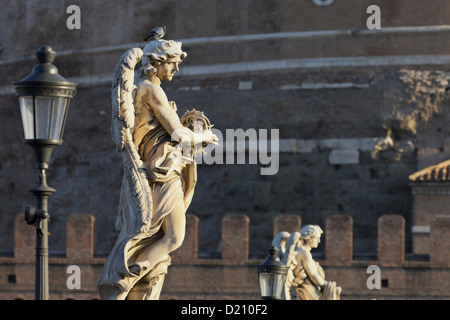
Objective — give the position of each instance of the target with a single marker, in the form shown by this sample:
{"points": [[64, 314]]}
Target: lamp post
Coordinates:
{"points": [[272, 276], [44, 98]]}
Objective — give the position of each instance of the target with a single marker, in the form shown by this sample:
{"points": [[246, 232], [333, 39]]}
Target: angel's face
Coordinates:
{"points": [[167, 69], [314, 241]]}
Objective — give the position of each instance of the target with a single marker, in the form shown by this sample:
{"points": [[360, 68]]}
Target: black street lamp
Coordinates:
{"points": [[272, 276], [44, 98]]}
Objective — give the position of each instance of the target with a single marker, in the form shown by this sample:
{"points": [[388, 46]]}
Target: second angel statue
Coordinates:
{"points": [[158, 150], [305, 278]]}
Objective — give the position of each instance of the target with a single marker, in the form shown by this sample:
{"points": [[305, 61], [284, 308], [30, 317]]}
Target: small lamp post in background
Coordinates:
{"points": [[272, 276], [44, 98]]}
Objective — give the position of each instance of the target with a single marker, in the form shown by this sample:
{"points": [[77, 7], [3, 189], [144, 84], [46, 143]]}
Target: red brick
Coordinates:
{"points": [[24, 238], [80, 236], [391, 239], [235, 238], [339, 238], [286, 222], [440, 240]]}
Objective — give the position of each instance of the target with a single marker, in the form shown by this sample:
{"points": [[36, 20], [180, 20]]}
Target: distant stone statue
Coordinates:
{"points": [[158, 150], [306, 278]]}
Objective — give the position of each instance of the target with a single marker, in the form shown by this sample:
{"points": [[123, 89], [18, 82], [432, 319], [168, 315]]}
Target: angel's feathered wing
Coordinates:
{"points": [[280, 243], [122, 96], [286, 242], [135, 187]]}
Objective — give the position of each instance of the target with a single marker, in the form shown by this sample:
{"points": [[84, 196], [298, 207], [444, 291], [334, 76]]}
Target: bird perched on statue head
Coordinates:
{"points": [[156, 34]]}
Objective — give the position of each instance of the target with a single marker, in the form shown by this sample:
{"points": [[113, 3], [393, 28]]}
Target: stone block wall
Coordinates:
{"points": [[348, 132], [357, 111]]}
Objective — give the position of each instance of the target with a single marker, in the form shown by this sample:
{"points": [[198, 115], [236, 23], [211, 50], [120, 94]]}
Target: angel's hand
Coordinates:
{"points": [[209, 138]]}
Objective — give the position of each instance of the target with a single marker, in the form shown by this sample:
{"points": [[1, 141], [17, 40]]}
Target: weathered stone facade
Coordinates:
{"points": [[357, 110]]}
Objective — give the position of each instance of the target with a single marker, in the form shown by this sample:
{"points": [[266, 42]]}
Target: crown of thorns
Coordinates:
{"points": [[192, 116]]}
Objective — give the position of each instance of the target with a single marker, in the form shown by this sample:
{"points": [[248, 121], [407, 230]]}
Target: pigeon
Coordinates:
{"points": [[156, 34]]}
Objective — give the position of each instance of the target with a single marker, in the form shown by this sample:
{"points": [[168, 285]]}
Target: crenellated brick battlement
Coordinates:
{"points": [[233, 274]]}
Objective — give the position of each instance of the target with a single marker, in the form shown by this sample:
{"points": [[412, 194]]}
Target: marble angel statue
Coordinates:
{"points": [[157, 149], [306, 278]]}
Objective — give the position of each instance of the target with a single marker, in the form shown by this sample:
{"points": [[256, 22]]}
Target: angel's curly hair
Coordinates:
{"points": [[156, 53], [309, 231]]}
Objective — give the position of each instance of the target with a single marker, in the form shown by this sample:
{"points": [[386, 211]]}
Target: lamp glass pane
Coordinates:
{"points": [[26, 110], [265, 283], [59, 113], [278, 284], [43, 117]]}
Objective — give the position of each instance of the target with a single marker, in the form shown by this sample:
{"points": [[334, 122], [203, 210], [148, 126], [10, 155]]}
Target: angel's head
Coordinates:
{"points": [[161, 58], [310, 235]]}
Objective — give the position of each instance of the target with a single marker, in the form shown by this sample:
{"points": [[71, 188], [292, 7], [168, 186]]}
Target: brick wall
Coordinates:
{"points": [[331, 86], [233, 275], [333, 95]]}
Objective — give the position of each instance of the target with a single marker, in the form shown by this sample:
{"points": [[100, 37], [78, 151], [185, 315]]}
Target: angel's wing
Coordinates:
{"points": [[135, 187], [290, 247], [122, 96], [280, 243], [290, 242], [139, 192]]}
